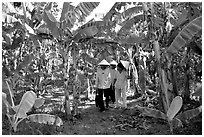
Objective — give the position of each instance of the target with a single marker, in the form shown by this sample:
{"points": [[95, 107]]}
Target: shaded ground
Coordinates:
{"points": [[110, 122], [92, 122]]}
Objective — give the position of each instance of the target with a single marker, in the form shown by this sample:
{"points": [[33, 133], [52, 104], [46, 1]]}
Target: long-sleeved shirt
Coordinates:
{"points": [[103, 78], [113, 75], [121, 80]]}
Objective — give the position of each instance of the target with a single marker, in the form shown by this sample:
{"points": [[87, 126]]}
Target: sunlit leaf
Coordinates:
{"points": [[30, 30], [175, 106], [130, 12], [25, 105], [8, 19], [45, 119]]}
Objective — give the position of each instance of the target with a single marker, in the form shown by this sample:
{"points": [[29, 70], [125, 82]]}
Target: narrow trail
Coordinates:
{"points": [[113, 121]]}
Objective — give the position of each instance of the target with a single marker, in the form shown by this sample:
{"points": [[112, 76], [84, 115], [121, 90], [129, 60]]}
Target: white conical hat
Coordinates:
{"points": [[113, 62], [104, 62], [125, 64]]}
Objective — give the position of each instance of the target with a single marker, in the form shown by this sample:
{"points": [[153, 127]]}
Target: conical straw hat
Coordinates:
{"points": [[104, 62], [113, 62], [125, 64]]}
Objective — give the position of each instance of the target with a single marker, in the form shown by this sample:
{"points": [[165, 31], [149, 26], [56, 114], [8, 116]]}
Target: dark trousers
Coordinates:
{"points": [[112, 93], [106, 93]]}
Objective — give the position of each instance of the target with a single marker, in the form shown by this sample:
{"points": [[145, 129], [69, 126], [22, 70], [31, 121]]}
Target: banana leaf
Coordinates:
{"points": [[85, 33], [186, 34], [51, 23], [130, 12], [174, 108], [45, 119], [30, 30], [129, 23], [39, 102], [189, 114], [25, 105], [152, 112]]}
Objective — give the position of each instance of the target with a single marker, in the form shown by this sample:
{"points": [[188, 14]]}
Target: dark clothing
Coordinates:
{"points": [[106, 93], [112, 93]]}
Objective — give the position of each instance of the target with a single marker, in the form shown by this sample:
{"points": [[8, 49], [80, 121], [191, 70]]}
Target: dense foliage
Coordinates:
{"points": [[45, 47]]}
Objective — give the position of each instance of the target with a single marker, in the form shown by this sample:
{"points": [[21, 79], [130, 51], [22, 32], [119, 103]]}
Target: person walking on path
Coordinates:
{"points": [[103, 82], [121, 84], [113, 65]]}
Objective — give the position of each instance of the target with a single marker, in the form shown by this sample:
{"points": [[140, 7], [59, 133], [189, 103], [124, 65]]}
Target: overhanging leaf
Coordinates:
{"points": [[129, 23], [45, 119], [174, 107], [187, 33], [85, 33], [130, 12], [25, 105]]}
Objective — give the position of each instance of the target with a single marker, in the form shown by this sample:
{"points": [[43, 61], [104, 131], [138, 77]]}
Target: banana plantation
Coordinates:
{"points": [[50, 55]]}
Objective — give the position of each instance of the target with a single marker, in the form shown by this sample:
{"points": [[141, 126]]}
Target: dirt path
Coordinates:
{"points": [[113, 121], [110, 122]]}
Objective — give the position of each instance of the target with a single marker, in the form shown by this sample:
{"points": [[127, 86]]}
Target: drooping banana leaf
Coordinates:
{"points": [[175, 106], [130, 12], [186, 34], [51, 23], [45, 119], [84, 9], [152, 112], [189, 114], [66, 6], [98, 24], [25, 105], [85, 33]]}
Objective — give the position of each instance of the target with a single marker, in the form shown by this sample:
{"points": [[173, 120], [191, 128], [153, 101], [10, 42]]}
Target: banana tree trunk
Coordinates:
{"points": [[174, 81], [66, 92], [186, 80], [162, 77], [142, 76], [75, 95]]}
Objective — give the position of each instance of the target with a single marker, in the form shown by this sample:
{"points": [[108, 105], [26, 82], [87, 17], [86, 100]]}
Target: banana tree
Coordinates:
{"points": [[17, 113]]}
